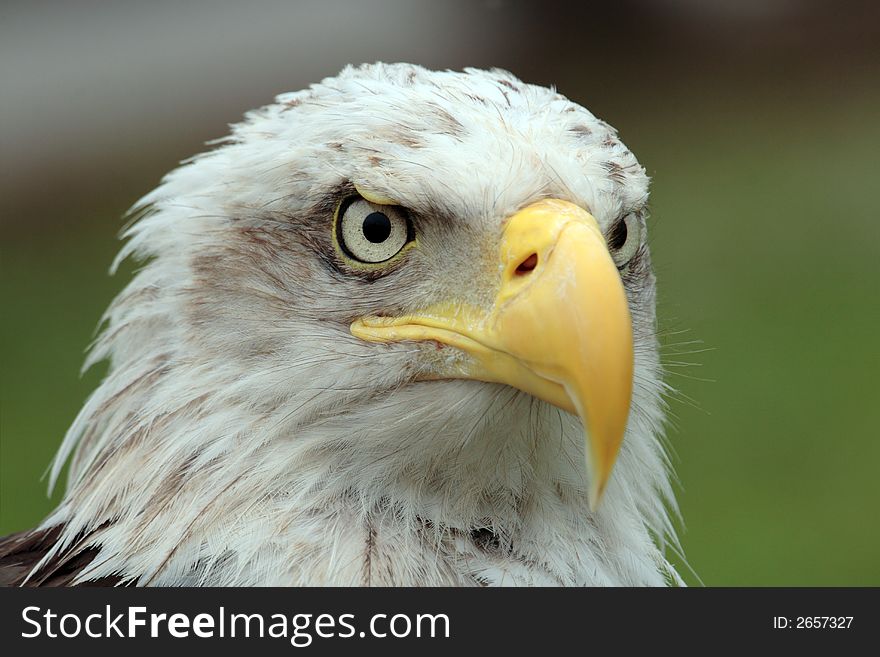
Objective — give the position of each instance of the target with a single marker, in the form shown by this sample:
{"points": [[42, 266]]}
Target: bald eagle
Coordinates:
{"points": [[395, 329]]}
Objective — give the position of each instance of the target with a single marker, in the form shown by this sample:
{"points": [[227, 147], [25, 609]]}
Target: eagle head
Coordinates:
{"points": [[396, 328]]}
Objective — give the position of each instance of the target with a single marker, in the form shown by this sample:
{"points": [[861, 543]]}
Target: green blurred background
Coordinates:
{"points": [[758, 121]]}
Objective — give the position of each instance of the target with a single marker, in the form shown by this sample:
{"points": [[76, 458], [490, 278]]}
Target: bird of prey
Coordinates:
{"points": [[396, 329]]}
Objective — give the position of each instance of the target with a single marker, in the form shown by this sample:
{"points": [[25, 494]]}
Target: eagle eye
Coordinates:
{"points": [[624, 239], [372, 233]]}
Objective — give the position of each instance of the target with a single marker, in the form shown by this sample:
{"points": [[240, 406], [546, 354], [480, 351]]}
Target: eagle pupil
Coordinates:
{"points": [[617, 238], [377, 227]]}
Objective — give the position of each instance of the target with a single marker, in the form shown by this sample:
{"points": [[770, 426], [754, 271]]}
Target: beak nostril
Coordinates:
{"points": [[528, 264]]}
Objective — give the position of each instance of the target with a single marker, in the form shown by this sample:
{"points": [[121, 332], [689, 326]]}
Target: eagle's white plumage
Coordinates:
{"points": [[243, 436]]}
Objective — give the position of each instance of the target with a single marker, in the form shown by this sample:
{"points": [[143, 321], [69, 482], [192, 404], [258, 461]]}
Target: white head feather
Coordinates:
{"points": [[244, 436]]}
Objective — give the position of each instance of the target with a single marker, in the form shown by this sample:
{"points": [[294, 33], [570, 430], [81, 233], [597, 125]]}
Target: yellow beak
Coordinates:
{"points": [[559, 327]]}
